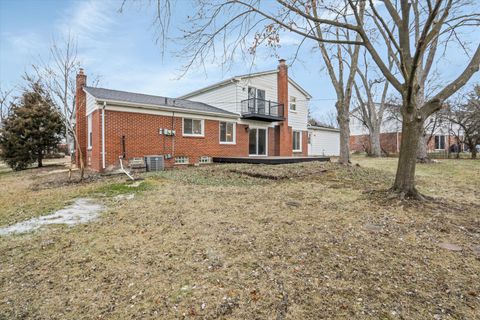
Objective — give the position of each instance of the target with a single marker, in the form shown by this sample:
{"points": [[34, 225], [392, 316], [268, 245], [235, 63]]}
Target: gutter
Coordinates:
{"points": [[322, 128], [165, 108], [103, 134]]}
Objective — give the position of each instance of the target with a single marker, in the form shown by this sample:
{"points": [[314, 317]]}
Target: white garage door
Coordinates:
{"points": [[323, 142]]}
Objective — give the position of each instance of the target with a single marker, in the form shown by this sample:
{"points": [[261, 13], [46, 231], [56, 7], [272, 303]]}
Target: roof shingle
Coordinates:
{"points": [[150, 100]]}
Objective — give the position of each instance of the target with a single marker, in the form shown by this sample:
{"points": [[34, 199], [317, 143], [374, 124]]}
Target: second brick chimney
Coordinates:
{"points": [[285, 132], [81, 118]]}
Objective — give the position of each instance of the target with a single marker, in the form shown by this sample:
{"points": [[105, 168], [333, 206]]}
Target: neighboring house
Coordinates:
{"points": [[260, 114], [323, 141], [438, 130]]}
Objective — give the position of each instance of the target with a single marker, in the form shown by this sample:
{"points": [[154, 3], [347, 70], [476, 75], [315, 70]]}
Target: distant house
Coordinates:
{"points": [[438, 130], [252, 115]]}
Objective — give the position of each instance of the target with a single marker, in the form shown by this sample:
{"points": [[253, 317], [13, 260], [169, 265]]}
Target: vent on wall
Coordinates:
{"points": [[154, 163]]}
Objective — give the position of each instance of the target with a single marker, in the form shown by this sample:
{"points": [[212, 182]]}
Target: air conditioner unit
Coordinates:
{"points": [[154, 163]]}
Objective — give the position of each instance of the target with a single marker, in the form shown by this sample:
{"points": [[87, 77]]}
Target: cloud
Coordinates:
{"points": [[22, 42], [87, 20]]}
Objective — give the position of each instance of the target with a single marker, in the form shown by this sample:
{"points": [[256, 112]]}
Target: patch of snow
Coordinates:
{"points": [[128, 196], [81, 211]]}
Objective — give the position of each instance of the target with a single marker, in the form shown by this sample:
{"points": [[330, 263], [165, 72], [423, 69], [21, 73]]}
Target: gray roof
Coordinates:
{"points": [[323, 127], [150, 100]]}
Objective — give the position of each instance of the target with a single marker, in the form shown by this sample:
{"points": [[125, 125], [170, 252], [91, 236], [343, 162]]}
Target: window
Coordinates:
{"points": [[205, 159], [181, 160], [440, 142], [89, 128], [193, 127], [297, 141], [256, 100], [293, 103], [227, 132]]}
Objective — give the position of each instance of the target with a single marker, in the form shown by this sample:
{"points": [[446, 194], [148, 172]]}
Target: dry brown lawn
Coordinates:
{"points": [[302, 241]]}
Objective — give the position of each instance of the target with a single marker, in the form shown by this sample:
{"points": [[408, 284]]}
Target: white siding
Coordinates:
{"points": [[229, 98], [298, 119], [324, 142], [223, 97], [91, 104]]}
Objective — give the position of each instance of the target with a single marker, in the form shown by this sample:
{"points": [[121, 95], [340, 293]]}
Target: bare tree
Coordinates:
{"points": [[467, 117], [328, 119], [371, 103], [59, 74], [6, 100], [420, 27]]}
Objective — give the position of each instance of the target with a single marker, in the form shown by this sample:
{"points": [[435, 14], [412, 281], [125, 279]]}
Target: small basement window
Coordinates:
{"points": [[205, 159], [181, 160]]}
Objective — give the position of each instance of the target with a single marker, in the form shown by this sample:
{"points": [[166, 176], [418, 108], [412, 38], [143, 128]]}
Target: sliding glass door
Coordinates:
{"points": [[257, 142]]}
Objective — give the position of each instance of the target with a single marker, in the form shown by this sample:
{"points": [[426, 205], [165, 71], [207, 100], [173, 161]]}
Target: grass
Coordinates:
{"points": [[300, 241]]}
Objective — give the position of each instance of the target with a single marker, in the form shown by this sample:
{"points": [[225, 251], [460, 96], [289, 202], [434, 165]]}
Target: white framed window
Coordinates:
{"points": [[293, 103], [227, 132], [89, 131], [256, 101], [181, 160], [193, 127], [297, 141], [205, 159], [440, 142]]}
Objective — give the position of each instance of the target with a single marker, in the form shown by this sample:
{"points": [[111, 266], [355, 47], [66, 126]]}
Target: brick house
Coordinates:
{"points": [[260, 114], [441, 139]]}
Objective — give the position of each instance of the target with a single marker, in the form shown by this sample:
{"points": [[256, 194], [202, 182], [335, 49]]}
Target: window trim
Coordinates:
{"points": [[89, 132], [294, 103], [234, 133], [202, 121], [300, 140], [187, 162], [444, 142], [204, 157]]}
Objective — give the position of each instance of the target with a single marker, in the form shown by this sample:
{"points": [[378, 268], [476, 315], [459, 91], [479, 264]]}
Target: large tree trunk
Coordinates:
{"points": [[40, 160], [412, 130], [343, 123], [422, 154], [474, 152], [376, 148]]}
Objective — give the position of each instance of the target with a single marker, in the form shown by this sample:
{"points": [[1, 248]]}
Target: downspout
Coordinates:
{"points": [[173, 135], [103, 134]]}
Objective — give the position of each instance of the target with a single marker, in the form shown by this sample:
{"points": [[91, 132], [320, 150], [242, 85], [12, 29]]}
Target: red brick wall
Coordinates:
{"points": [[81, 120], [273, 141], [142, 138], [94, 155], [388, 141], [285, 132], [359, 143]]}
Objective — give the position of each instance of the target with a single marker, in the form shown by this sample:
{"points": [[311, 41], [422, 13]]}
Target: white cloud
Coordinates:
{"points": [[22, 42], [87, 20]]}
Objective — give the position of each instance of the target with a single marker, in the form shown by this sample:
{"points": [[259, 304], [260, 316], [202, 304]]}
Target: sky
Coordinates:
{"points": [[120, 48]]}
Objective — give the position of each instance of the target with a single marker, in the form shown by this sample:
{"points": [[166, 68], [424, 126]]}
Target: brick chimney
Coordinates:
{"points": [[80, 117], [285, 132]]}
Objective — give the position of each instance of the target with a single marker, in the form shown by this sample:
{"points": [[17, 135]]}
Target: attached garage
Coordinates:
{"points": [[323, 141]]}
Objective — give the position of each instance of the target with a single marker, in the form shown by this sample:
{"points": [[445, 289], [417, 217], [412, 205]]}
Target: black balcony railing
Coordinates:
{"points": [[259, 109]]}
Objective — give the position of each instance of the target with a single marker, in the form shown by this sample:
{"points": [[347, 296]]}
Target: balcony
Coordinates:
{"points": [[262, 110]]}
